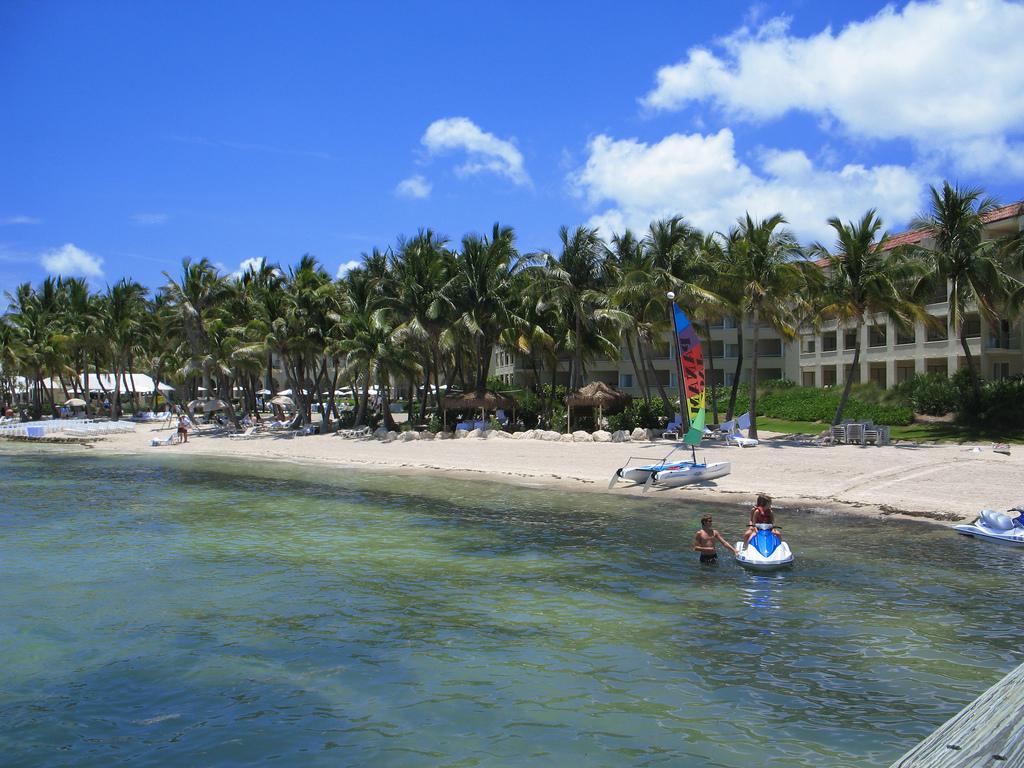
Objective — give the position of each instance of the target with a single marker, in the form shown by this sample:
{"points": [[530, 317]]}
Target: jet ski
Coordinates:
{"points": [[765, 551], [996, 526]]}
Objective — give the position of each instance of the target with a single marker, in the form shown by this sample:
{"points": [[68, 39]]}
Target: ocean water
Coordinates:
{"points": [[173, 611]]}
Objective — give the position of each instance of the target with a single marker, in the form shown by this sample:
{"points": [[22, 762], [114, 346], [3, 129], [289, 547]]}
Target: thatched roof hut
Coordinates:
{"points": [[485, 399], [597, 394]]}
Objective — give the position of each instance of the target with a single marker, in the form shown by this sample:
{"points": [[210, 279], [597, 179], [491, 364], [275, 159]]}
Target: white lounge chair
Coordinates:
{"points": [[161, 441], [247, 433]]}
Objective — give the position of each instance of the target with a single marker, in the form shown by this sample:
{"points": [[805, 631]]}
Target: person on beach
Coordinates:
{"points": [[182, 429], [704, 541], [761, 513]]}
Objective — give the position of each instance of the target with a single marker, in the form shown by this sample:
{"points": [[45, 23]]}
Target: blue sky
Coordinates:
{"points": [[137, 134]]}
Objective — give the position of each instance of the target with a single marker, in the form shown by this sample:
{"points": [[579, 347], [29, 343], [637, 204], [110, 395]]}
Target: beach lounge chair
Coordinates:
{"points": [[162, 441], [735, 435], [248, 432]]}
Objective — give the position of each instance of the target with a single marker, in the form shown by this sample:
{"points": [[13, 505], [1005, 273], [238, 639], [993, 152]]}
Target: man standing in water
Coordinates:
{"points": [[704, 541]]}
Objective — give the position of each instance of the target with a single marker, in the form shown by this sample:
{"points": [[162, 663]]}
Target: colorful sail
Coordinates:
{"points": [[691, 371]]}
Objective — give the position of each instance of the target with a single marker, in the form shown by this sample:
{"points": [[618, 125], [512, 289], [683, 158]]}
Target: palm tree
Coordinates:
{"points": [[482, 293], [124, 316], [575, 285], [630, 292], [864, 280], [420, 271], [964, 260], [196, 298], [770, 279]]}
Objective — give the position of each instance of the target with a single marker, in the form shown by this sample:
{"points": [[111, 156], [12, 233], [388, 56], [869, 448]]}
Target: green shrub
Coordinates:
{"points": [[931, 393], [558, 417], [1000, 405], [639, 414]]}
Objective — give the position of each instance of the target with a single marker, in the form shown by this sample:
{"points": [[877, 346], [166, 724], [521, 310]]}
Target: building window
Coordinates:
{"points": [[717, 348], [939, 295], [770, 348], [625, 380], [850, 339], [828, 342], [828, 376], [877, 374], [877, 336], [904, 372], [728, 379], [672, 378], [1000, 370], [728, 322], [807, 378], [808, 345], [908, 336], [939, 332], [732, 350], [972, 326]]}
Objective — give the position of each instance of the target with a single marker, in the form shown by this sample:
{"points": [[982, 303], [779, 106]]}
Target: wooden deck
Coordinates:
{"points": [[988, 733]]}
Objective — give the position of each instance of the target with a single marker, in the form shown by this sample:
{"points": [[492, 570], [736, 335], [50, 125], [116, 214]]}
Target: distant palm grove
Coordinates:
{"points": [[430, 312]]}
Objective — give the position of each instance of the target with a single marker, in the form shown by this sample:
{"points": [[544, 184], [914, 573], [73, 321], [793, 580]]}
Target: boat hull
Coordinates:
{"points": [[1013, 537], [749, 558], [641, 474], [691, 473]]}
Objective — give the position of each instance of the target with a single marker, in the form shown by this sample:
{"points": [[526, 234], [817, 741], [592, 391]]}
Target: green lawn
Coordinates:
{"points": [[950, 433]]}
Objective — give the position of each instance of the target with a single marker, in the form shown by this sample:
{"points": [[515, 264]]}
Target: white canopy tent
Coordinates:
{"points": [[98, 382]]}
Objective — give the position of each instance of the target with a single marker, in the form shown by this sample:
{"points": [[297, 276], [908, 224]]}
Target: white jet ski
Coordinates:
{"points": [[996, 526], [765, 551]]}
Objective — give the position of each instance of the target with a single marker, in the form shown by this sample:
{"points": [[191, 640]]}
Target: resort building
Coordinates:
{"points": [[822, 357], [890, 356]]}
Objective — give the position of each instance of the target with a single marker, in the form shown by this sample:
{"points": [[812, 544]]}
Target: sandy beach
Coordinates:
{"points": [[935, 483]]}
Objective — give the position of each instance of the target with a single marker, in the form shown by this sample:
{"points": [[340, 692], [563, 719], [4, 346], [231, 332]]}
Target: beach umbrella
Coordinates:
{"points": [[75, 402], [207, 405], [201, 389], [264, 392], [164, 387], [284, 401]]}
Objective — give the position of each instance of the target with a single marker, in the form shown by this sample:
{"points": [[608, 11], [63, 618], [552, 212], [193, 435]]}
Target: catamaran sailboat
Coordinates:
{"points": [[669, 471]]}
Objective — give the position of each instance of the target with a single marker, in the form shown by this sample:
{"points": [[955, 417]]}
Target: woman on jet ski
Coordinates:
{"points": [[761, 513]]}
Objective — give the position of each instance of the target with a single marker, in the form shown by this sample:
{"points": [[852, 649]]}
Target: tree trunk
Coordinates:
{"points": [[752, 432], [666, 403], [975, 382], [636, 368], [848, 384], [115, 405], [639, 367], [711, 365], [363, 399], [736, 376]]}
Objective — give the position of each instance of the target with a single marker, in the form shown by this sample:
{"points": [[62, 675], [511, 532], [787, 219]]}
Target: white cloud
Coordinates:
{"points": [[931, 72], [415, 186], [699, 177], [345, 267], [12, 220], [69, 259], [150, 219], [486, 152]]}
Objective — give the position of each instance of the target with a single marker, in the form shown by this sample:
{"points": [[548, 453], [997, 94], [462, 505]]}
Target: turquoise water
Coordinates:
{"points": [[181, 612]]}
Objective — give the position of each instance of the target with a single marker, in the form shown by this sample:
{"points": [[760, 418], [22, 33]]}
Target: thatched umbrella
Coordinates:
{"points": [[598, 395], [485, 400]]}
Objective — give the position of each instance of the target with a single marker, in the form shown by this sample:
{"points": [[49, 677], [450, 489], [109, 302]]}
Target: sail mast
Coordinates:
{"points": [[679, 360]]}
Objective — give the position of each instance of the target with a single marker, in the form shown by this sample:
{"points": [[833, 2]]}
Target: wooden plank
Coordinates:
{"points": [[988, 733]]}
